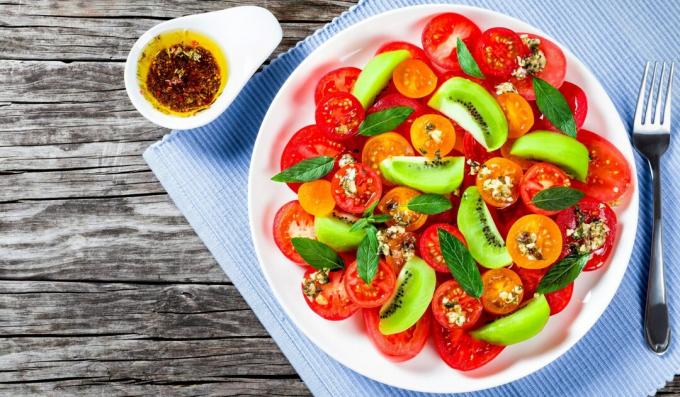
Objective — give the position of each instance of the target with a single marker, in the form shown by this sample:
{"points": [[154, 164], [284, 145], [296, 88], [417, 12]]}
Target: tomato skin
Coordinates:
{"points": [[470, 306], [497, 51], [588, 210], [554, 72], [339, 115], [557, 300], [367, 184], [508, 216], [335, 304], [416, 52], [609, 174], [338, 80], [429, 247], [396, 99], [292, 221], [539, 177], [577, 101], [309, 141], [439, 38], [461, 351], [403, 345], [374, 294]]}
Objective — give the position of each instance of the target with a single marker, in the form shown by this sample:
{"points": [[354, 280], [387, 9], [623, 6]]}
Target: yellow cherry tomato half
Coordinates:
{"points": [[316, 197], [414, 79], [383, 146], [503, 291], [395, 203], [518, 112], [534, 242], [433, 135], [498, 181]]}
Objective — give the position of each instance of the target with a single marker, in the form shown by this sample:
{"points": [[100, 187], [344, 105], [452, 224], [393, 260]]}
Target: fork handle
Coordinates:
{"points": [[657, 329]]}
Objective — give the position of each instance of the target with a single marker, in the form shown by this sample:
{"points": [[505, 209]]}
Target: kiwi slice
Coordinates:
{"points": [[336, 234], [473, 108], [554, 147], [517, 327], [376, 74], [483, 239], [429, 176], [411, 298]]}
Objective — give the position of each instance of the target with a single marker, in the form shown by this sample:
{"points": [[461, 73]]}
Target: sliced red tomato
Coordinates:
{"points": [[308, 142], [508, 216], [608, 171], [429, 247], [454, 308], [557, 300], [292, 221], [338, 80], [356, 187], [325, 294], [440, 38], [539, 177], [497, 52], [590, 226], [374, 294], [339, 115], [554, 72], [461, 351], [396, 99], [578, 103], [416, 52], [402, 346]]}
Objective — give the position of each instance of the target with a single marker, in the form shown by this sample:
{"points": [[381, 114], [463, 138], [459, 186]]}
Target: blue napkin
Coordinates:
{"points": [[205, 172]]}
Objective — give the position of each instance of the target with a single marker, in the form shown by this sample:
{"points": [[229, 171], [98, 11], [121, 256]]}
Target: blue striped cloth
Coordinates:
{"points": [[205, 171]]}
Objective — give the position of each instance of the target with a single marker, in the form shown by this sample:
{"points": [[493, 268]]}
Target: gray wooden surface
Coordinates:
{"points": [[104, 288]]}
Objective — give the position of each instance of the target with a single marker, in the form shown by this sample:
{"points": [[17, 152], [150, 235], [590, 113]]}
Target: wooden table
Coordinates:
{"points": [[104, 287]]}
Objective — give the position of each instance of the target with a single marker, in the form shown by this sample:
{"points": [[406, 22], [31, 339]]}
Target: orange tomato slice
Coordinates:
{"points": [[498, 181], [503, 291], [395, 203], [518, 112], [534, 241], [433, 135], [383, 146], [316, 197], [414, 79]]}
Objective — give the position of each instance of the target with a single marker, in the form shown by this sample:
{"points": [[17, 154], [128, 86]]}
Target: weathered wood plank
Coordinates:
{"points": [[122, 239]]}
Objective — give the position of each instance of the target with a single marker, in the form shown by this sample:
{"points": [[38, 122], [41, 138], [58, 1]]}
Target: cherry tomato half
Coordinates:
{"points": [[292, 221], [539, 177], [338, 80], [316, 198], [403, 345], [440, 38], [498, 181], [503, 291], [339, 115], [497, 52], [383, 146], [433, 135], [577, 101], [356, 187], [534, 241], [554, 71], [454, 308], [429, 247], [518, 112], [461, 351], [374, 294], [325, 294], [395, 203], [416, 52], [414, 79], [557, 300]]}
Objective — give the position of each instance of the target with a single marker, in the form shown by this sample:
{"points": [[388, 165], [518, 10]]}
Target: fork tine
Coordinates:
{"points": [[650, 101], [641, 97], [667, 108], [659, 98]]}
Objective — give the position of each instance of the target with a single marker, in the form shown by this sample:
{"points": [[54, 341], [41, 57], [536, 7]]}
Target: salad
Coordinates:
{"points": [[449, 191]]}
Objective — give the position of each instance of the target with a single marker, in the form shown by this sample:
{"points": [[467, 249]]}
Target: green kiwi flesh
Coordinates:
{"points": [[335, 233], [517, 327], [429, 176], [376, 75], [554, 147]]}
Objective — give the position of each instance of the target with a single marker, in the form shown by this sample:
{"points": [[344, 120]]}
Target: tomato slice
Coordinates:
{"points": [[554, 72], [403, 345], [356, 187], [429, 247], [382, 146], [308, 142], [509, 215], [498, 181], [338, 80], [503, 291], [401, 244], [433, 135], [454, 308], [374, 294], [557, 300], [396, 99], [539, 177], [416, 52], [440, 38], [590, 226], [475, 155], [316, 198], [413, 78], [578, 103], [461, 351], [395, 203], [608, 171], [292, 221], [339, 115], [325, 294], [534, 241], [518, 112], [497, 52]]}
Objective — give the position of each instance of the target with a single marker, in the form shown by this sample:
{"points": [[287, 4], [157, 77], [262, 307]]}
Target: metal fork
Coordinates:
{"points": [[651, 136]]}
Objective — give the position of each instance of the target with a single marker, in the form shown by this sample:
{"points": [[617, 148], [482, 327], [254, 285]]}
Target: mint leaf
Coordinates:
{"points": [[557, 198], [379, 218], [367, 255], [359, 224], [384, 120], [317, 254], [306, 170], [429, 204], [467, 61], [554, 107], [461, 265], [369, 210], [562, 273]]}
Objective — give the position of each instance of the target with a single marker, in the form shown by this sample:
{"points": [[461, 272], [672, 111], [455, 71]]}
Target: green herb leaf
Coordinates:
{"points": [[557, 198], [429, 204], [317, 254], [552, 104], [367, 255], [562, 273], [369, 210], [379, 218], [461, 265], [384, 120], [467, 61], [306, 170], [359, 224]]}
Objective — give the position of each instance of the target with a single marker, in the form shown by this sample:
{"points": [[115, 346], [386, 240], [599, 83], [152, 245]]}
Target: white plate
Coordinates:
{"points": [[346, 341]]}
